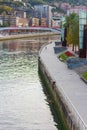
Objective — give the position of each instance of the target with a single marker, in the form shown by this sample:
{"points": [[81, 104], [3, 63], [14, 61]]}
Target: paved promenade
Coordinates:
{"points": [[69, 83]]}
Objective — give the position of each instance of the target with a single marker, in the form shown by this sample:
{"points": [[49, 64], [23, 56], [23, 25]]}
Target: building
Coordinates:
{"points": [[44, 11], [76, 9], [34, 22], [21, 22], [83, 34], [18, 0], [56, 21], [43, 22], [13, 20], [65, 6], [8, 19], [16, 18], [20, 14]]}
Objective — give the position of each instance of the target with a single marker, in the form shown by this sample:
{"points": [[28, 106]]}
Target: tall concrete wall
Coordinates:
{"points": [[69, 118]]}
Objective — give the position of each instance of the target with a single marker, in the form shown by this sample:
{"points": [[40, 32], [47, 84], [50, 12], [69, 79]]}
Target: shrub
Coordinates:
{"points": [[64, 56], [69, 54], [84, 75]]}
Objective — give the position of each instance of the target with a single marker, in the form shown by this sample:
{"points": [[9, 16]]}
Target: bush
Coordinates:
{"points": [[84, 75], [69, 54], [64, 56]]}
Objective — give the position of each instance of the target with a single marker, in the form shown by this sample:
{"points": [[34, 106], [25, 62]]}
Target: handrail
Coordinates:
{"points": [[77, 115]]}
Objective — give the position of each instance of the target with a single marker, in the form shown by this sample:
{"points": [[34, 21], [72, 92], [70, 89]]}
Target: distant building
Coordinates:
{"points": [[55, 3], [21, 22], [42, 22], [8, 18], [83, 34], [1, 21], [13, 20], [18, 0], [16, 18], [76, 9], [34, 22], [65, 6], [20, 14], [56, 22], [44, 11]]}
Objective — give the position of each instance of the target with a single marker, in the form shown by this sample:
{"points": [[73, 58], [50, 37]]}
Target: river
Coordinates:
{"points": [[23, 103]]}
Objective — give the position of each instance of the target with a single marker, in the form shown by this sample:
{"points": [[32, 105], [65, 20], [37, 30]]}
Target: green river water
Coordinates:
{"points": [[23, 103]]}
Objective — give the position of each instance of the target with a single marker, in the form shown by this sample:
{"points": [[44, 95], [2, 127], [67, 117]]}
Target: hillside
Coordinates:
{"points": [[73, 2]]}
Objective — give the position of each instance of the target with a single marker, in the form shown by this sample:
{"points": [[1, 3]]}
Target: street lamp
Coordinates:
{"points": [[64, 32]]}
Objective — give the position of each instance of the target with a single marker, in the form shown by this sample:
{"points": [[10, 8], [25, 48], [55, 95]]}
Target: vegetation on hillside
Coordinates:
{"points": [[73, 2], [5, 9], [30, 3], [37, 2]]}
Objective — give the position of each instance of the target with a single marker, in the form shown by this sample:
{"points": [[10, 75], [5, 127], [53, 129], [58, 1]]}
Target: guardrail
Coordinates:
{"points": [[80, 123]]}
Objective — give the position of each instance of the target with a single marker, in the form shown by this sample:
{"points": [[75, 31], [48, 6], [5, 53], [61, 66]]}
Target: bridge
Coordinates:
{"points": [[25, 30]]}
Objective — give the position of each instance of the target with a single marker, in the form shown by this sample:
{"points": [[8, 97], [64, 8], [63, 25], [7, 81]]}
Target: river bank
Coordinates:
{"points": [[10, 37], [68, 87], [52, 97]]}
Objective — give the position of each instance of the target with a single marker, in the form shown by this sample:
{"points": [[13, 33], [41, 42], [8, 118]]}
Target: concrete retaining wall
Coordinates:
{"points": [[69, 118], [10, 37]]}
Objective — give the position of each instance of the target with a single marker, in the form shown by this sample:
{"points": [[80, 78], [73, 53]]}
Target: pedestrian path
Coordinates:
{"points": [[73, 89]]}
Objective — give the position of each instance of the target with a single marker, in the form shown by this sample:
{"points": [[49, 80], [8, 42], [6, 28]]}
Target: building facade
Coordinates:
{"points": [[83, 34], [43, 22], [44, 11], [21, 22], [56, 21], [34, 22]]}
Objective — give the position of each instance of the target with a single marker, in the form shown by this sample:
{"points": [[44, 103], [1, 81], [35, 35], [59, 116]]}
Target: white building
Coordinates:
{"points": [[76, 9], [18, 0], [56, 21], [82, 22], [44, 11], [82, 41]]}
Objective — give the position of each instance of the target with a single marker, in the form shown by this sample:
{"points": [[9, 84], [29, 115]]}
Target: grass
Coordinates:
{"points": [[84, 75]]}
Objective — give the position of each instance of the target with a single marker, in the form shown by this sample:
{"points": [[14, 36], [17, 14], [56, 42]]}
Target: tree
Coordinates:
{"points": [[72, 25], [75, 32]]}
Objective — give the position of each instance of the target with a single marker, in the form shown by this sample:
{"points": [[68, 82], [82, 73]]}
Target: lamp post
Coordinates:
{"points": [[64, 32]]}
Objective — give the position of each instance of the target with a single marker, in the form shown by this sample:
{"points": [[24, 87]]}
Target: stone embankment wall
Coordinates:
{"points": [[18, 36], [68, 117]]}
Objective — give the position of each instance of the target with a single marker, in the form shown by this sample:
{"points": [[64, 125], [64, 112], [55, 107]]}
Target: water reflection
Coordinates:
{"points": [[23, 104], [26, 44]]}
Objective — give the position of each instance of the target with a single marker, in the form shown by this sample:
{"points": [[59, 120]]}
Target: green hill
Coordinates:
{"points": [[73, 2]]}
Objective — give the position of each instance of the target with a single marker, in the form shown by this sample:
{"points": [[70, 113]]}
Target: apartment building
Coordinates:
{"points": [[76, 9], [34, 22], [16, 18], [42, 22], [21, 22], [8, 18], [44, 11]]}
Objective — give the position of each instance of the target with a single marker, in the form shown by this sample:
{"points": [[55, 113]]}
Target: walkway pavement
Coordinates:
{"points": [[68, 81]]}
